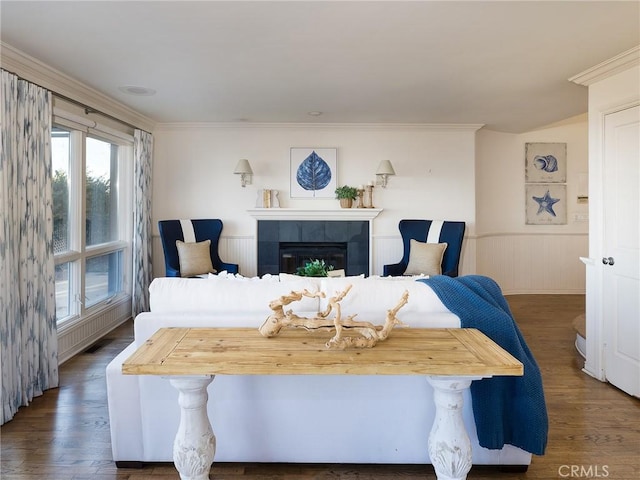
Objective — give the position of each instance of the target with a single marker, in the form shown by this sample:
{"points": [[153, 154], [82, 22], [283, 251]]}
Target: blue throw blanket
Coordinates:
{"points": [[507, 409]]}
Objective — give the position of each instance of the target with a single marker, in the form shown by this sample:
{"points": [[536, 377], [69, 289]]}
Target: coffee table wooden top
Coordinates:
{"points": [[243, 351]]}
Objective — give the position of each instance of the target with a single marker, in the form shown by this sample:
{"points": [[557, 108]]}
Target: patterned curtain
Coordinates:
{"points": [[142, 272], [28, 338]]}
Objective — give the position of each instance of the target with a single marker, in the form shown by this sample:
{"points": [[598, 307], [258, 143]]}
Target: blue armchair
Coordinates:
{"points": [[430, 231], [196, 231]]}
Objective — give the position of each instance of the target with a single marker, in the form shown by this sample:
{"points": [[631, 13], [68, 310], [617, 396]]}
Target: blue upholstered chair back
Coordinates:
{"points": [[204, 229], [451, 232]]}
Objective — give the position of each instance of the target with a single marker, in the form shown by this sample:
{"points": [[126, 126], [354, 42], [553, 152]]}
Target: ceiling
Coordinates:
{"points": [[504, 64]]}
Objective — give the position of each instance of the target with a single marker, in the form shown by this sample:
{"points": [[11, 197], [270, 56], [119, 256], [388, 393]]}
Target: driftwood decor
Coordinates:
{"points": [[349, 332]]}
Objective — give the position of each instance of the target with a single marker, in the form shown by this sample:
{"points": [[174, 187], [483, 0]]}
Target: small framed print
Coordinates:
{"points": [[545, 163], [546, 204], [313, 172]]}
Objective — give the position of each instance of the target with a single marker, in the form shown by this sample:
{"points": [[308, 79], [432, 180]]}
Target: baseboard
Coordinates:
{"points": [[500, 468], [129, 464], [513, 468]]}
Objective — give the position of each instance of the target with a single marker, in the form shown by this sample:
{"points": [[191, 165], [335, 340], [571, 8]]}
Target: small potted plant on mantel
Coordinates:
{"points": [[346, 195]]}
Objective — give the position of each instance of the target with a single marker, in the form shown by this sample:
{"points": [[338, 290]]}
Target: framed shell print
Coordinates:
{"points": [[545, 162]]}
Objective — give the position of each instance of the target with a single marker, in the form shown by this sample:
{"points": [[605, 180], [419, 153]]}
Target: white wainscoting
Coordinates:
{"points": [[74, 338], [520, 263], [387, 249], [242, 250], [534, 263]]}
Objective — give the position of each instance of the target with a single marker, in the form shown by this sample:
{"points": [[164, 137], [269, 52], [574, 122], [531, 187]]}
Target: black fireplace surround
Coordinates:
{"points": [[343, 242]]}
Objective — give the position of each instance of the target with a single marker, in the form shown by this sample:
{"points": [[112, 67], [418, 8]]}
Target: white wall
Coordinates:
{"points": [[442, 172], [529, 258], [193, 177]]}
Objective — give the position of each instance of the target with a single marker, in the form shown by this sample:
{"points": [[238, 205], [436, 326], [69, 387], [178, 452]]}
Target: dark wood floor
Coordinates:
{"points": [[594, 428]]}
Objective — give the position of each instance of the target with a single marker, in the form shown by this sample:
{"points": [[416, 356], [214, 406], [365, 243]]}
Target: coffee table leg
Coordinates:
{"points": [[449, 445], [195, 443]]}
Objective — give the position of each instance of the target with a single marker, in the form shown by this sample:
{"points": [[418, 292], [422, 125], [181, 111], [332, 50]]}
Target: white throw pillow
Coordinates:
{"points": [[425, 258], [290, 277], [195, 258]]}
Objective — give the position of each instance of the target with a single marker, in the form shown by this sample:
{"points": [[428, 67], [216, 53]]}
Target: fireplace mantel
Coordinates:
{"points": [[308, 214]]}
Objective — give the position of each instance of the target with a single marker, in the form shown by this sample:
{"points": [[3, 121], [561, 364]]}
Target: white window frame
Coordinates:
{"points": [[78, 251]]}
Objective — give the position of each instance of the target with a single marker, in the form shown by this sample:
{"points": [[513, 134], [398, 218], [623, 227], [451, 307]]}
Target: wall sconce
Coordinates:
{"points": [[244, 170], [384, 170]]}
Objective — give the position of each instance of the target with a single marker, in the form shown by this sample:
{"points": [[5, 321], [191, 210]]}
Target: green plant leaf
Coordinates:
{"points": [[314, 268]]}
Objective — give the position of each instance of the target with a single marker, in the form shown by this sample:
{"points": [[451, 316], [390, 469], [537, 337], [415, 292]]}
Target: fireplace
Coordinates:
{"points": [[296, 254], [284, 245]]}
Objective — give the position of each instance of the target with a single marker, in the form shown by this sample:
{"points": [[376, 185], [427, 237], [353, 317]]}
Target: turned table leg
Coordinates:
{"points": [[449, 445], [195, 443]]}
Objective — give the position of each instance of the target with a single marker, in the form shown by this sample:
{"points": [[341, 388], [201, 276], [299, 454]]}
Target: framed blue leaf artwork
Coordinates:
{"points": [[313, 172]]}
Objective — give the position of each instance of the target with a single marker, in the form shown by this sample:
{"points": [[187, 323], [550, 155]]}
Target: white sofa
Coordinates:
{"points": [[301, 419]]}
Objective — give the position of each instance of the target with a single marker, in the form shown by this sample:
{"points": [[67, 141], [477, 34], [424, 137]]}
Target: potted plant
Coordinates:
{"points": [[346, 195], [314, 268]]}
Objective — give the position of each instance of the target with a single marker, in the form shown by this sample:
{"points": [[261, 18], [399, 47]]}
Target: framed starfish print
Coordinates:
{"points": [[546, 204]]}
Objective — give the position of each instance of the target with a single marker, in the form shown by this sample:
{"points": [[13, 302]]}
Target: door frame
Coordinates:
{"points": [[613, 86], [595, 305]]}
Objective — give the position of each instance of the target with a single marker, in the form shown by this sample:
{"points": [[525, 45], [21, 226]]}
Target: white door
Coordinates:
{"points": [[621, 246]]}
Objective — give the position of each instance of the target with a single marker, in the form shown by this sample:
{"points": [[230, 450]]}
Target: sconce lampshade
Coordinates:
{"points": [[385, 168], [244, 170], [243, 167]]}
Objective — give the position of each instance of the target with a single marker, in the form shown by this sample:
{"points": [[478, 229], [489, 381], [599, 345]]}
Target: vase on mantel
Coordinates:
{"points": [[346, 195], [346, 202]]}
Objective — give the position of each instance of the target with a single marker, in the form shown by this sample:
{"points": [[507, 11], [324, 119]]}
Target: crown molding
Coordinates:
{"points": [[459, 127], [617, 64], [33, 70]]}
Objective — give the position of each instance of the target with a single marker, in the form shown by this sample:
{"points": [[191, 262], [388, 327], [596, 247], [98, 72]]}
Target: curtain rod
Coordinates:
{"points": [[87, 108]]}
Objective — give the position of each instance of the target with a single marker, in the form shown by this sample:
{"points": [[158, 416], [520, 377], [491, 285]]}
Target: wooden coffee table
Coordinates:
{"points": [[450, 359]]}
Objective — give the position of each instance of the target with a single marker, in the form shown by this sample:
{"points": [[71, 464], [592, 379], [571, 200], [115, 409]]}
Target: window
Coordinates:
{"points": [[91, 219]]}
